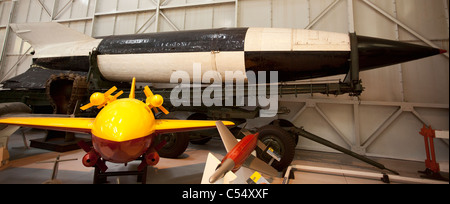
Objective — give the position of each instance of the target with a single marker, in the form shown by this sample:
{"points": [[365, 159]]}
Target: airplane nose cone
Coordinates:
{"points": [[124, 119], [123, 130]]}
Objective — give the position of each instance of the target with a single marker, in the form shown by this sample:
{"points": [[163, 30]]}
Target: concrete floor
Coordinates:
{"points": [[24, 166]]}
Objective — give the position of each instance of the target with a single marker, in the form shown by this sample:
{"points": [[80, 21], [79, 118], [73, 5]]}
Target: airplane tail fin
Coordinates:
{"points": [[41, 35]]}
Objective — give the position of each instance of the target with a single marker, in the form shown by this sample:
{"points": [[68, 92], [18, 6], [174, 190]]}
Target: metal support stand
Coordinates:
{"points": [[432, 170], [352, 77], [315, 138], [359, 174], [101, 177], [53, 180]]}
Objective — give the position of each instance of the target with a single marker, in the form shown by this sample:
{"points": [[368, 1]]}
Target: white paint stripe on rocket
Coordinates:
{"points": [[158, 67], [283, 39]]}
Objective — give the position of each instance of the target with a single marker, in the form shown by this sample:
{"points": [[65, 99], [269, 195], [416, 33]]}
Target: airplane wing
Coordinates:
{"points": [[170, 126], [82, 125]]}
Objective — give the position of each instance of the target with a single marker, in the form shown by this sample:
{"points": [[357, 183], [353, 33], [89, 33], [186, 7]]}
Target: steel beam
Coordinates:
{"points": [[45, 8], [236, 13], [169, 21], [5, 40], [158, 9], [382, 128], [404, 26], [322, 14], [60, 11], [350, 17]]}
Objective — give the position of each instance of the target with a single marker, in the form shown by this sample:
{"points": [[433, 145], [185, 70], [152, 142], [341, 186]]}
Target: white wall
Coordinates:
{"points": [[384, 122]]}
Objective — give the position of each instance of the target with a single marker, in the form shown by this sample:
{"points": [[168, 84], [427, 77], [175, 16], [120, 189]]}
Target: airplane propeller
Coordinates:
{"points": [[101, 99], [154, 101]]}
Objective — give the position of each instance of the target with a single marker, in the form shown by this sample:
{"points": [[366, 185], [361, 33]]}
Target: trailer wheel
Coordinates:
{"points": [[199, 137], [286, 125], [176, 144], [281, 142]]}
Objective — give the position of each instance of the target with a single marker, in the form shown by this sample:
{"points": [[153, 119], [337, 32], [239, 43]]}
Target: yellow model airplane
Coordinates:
{"points": [[123, 130]]}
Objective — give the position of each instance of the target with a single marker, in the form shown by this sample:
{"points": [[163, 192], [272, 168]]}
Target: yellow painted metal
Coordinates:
{"points": [[52, 123], [124, 119], [163, 126], [133, 87]]}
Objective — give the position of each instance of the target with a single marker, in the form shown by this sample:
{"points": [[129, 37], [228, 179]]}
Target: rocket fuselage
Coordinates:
{"points": [[241, 151], [236, 157], [296, 54]]}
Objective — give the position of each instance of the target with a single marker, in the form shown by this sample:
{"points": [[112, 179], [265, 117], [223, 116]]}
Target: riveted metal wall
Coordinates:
{"points": [[383, 121]]}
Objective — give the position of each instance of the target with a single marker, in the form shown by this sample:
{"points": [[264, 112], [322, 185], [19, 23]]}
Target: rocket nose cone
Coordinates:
{"points": [[221, 170], [213, 179], [376, 52], [442, 51]]}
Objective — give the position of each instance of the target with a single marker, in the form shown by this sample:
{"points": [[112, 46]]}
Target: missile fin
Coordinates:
{"points": [[41, 35], [258, 165], [227, 137]]}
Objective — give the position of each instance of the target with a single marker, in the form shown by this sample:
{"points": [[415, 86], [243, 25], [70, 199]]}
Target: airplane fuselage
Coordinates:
{"points": [[123, 130]]}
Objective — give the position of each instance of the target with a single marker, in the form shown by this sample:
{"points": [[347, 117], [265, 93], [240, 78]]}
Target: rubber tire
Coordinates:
{"points": [[176, 146], [199, 137], [284, 143], [286, 125]]}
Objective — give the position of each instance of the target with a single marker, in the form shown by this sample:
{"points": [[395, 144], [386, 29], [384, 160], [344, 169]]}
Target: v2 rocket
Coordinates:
{"points": [[295, 53]]}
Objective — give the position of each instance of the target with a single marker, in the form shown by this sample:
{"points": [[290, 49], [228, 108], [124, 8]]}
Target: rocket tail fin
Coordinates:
{"points": [[42, 35]]}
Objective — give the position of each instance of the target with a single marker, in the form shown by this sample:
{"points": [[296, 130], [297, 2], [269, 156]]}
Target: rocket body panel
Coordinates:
{"points": [[159, 67], [295, 53], [285, 39], [223, 39], [155, 57]]}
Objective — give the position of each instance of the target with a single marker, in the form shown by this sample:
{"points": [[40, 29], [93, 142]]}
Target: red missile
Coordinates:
{"points": [[238, 154], [242, 150], [236, 157]]}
